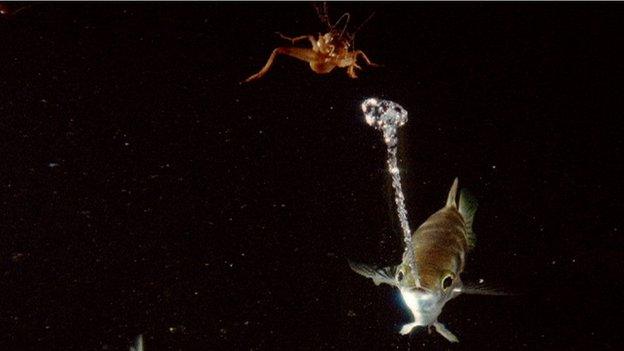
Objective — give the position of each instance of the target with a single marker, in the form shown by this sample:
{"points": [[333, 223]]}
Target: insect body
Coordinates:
{"points": [[439, 245], [330, 50]]}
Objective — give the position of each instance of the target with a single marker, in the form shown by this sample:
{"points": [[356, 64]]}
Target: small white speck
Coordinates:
{"points": [[53, 164], [126, 143], [493, 166], [554, 262], [481, 281]]}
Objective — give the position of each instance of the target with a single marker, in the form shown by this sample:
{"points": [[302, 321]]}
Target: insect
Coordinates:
{"points": [[439, 245], [330, 50]]}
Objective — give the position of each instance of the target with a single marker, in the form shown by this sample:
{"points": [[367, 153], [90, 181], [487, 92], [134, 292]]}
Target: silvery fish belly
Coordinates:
{"points": [[439, 247]]}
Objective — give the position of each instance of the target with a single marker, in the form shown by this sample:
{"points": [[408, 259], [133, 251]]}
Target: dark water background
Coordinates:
{"points": [[143, 190]]}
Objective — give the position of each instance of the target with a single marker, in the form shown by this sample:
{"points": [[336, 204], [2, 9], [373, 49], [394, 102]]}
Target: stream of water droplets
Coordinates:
{"points": [[387, 116]]}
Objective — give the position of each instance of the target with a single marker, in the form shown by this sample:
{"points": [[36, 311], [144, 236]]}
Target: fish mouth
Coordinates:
{"points": [[424, 306], [421, 290]]}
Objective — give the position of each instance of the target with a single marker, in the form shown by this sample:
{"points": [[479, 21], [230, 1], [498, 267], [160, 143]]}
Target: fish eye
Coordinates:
{"points": [[400, 276], [447, 282]]}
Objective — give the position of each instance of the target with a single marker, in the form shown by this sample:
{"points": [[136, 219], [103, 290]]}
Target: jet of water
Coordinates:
{"points": [[387, 116]]}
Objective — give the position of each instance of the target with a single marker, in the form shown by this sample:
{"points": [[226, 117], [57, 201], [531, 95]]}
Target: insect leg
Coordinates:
{"points": [[361, 53], [299, 53], [296, 39], [351, 71]]}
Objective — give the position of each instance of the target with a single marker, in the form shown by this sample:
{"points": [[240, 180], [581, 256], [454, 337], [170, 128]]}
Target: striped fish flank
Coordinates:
{"points": [[441, 242]]}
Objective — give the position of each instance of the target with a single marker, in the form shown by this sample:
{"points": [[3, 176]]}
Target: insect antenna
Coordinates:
{"points": [[352, 35], [322, 13], [363, 23], [21, 9], [348, 17]]}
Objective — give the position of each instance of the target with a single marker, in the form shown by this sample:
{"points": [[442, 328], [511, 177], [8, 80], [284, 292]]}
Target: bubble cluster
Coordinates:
{"points": [[386, 116]]}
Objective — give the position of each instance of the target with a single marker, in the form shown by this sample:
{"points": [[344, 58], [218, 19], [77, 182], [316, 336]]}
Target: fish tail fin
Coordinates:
{"points": [[467, 208], [450, 200]]}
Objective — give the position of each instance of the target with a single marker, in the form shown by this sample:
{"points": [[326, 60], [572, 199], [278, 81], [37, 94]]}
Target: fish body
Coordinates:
{"points": [[439, 247]]}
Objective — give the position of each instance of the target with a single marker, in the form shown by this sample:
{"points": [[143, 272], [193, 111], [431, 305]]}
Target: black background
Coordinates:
{"points": [[144, 190]]}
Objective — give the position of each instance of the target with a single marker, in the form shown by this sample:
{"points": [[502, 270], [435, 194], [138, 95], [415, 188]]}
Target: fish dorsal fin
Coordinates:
{"points": [[467, 208], [450, 200]]}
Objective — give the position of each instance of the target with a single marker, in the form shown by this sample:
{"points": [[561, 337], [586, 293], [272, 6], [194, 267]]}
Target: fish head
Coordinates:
{"points": [[427, 295]]}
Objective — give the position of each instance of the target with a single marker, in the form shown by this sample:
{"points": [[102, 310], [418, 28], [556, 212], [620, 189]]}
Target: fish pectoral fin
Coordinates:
{"points": [[483, 290], [383, 275], [407, 328], [138, 343], [441, 329]]}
